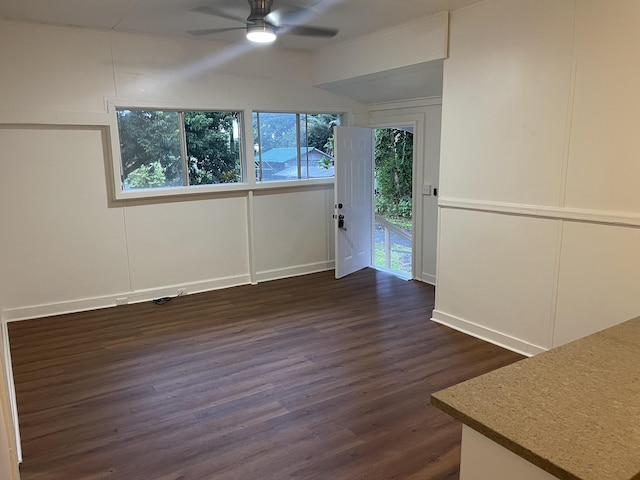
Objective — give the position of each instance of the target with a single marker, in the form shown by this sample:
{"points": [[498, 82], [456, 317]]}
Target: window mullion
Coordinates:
{"points": [[259, 148], [306, 136], [298, 146], [183, 150]]}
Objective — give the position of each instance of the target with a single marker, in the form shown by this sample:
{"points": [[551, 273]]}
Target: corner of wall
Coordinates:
{"points": [[8, 401]]}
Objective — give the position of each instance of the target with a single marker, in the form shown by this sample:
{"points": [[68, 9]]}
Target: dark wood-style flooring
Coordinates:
{"points": [[303, 378]]}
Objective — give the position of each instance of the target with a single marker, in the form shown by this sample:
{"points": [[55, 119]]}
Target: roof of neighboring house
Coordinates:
{"points": [[283, 155], [314, 172]]}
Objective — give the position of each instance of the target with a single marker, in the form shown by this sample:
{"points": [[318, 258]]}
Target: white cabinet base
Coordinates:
{"points": [[483, 459]]}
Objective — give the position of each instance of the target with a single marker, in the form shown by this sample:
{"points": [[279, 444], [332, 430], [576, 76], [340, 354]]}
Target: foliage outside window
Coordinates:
{"points": [[161, 148], [293, 146], [394, 173]]}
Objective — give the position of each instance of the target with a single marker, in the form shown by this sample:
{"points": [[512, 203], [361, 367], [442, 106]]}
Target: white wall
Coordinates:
{"points": [[288, 232], [540, 206], [430, 176], [60, 240], [414, 43], [66, 245]]}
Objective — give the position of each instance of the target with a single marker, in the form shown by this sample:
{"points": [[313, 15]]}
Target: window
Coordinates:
{"points": [[293, 146], [160, 149]]}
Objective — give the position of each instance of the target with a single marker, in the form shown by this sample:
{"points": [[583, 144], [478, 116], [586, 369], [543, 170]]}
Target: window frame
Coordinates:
{"points": [[248, 182], [298, 113], [120, 193]]}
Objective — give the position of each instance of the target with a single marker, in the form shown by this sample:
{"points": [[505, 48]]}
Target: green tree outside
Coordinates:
{"points": [[150, 139], [213, 150], [151, 154], [150, 144], [394, 173], [147, 176], [320, 131], [278, 130]]}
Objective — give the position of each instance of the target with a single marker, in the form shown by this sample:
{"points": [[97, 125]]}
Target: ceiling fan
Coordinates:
{"points": [[262, 25]]}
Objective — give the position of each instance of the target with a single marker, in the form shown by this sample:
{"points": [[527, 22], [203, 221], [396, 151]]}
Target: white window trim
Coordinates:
{"points": [[248, 168], [116, 159]]}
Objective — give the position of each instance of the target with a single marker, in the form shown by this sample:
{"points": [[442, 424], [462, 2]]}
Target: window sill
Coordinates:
{"points": [[216, 190]]}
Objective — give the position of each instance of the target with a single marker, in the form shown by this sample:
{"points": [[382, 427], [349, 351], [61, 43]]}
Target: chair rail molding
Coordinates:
{"points": [[618, 218]]}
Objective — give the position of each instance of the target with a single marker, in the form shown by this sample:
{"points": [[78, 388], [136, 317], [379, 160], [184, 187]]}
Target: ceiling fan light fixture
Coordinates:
{"points": [[261, 33]]}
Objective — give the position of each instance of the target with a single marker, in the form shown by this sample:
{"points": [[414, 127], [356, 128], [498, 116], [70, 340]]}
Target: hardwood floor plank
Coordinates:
{"points": [[302, 378]]}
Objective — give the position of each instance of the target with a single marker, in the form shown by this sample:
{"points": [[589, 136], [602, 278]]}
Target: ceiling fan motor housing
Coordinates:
{"points": [[262, 25], [259, 10]]}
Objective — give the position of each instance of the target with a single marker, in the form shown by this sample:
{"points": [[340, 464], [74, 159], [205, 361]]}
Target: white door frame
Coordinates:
{"points": [[426, 170], [417, 123]]}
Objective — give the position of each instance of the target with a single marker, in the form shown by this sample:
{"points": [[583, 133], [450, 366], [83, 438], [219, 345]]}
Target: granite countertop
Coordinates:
{"points": [[573, 411]]}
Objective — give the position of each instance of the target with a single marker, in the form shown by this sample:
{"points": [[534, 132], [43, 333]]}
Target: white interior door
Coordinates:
{"points": [[353, 195]]}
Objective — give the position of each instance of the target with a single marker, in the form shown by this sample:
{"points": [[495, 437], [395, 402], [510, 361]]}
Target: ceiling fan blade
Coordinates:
{"points": [[308, 31], [218, 13], [211, 31], [289, 14]]}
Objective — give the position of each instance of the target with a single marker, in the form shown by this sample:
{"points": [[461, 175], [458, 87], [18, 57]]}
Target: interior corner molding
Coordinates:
{"points": [[605, 217]]}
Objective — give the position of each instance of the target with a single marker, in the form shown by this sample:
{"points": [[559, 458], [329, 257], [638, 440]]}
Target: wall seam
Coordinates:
{"points": [[126, 247], [564, 179], [113, 67], [556, 283], [570, 108], [250, 238]]}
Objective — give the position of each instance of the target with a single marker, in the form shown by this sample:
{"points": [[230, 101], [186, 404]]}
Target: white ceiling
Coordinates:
{"points": [[353, 18]]}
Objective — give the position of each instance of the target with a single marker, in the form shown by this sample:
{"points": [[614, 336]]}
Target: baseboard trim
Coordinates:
{"points": [[278, 273], [487, 334], [137, 296], [428, 278]]}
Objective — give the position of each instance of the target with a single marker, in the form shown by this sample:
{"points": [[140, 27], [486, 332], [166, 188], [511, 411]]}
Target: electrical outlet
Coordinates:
{"points": [[122, 301], [182, 291]]}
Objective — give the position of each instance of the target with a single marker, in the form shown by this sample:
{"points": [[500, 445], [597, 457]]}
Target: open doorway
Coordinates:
{"points": [[393, 201]]}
